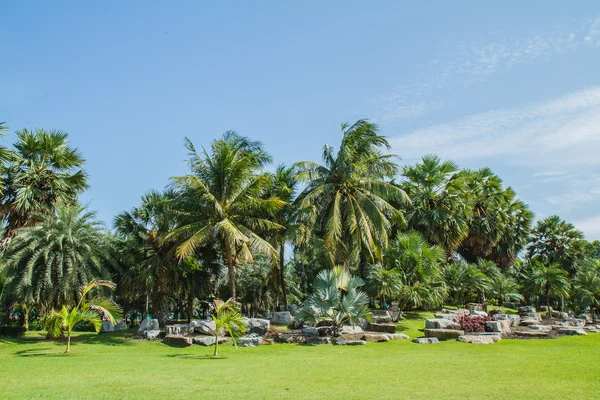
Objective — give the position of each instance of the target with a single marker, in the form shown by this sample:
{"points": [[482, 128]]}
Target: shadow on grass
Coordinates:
{"points": [[195, 357], [38, 353]]}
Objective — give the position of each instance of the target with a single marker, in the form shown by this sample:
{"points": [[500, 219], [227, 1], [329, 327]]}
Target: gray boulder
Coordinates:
{"points": [[147, 325], [178, 341], [382, 316], [107, 327], [121, 326], [318, 340], [541, 328], [444, 334], [441, 323], [450, 316], [401, 336], [478, 313], [426, 340], [292, 308], [280, 318], [310, 331], [502, 327], [479, 339], [205, 327], [258, 325], [526, 309], [151, 335], [571, 331], [250, 340], [209, 340], [349, 342], [385, 328], [373, 337], [352, 329], [179, 329]]}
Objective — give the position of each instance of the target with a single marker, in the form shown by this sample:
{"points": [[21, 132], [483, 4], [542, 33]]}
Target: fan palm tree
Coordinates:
{"points": [[441, 205], [504, 288], [227, 317], [347, 202], [547, 280], [42, 172], [465, 281], [93, 311], [515, 236], [47, 263], [336, 298], [151, 267], [384, 284], [555, 241], [586, 289], [224, 202]]}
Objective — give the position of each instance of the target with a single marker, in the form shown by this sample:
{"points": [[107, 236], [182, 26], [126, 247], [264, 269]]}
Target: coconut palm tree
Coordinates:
{"points": [[227, 317], [49, 262], [347, 202], [555, 241], [223, 201], [92, 310], [42, 172], [441, 205], [336, 298]]}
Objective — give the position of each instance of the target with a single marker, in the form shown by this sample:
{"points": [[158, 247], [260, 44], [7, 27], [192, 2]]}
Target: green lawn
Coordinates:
{"points": [[110, 366]]}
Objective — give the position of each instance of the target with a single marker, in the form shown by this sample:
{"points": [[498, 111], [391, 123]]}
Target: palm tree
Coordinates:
{"points": [[465, 281], [556, 241], [347, 201], [547, 280], [383, 283], [42, 172], [515, 236], [223, 201], [441, 206], [227, 317], [586, 289], [505, 288], [336, 298], [47, 263], [148, 257], [93, 311]]}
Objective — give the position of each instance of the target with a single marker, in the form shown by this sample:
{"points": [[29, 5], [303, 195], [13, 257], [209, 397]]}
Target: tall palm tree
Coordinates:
{"points": [[586, 289], [49, 262], [556, 241], [547, 281], [223, 201], [348, 200], [441, 206], [515, 236], [90, 310], [42, 172], [505, 288], [151, 267]]}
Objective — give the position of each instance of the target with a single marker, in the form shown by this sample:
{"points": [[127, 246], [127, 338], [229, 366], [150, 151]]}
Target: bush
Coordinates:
{"points": [[84, 326], [12, 331], [36, 325], [474, 324]]}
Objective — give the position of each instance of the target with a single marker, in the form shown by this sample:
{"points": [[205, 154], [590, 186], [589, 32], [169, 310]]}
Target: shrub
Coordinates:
{"points": [[12, 331], [474, 324]]}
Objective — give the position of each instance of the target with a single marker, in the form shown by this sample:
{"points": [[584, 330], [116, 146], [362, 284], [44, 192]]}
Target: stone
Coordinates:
{"points": [[353, 329], [310, 331], [560, 315], [451, 317], [352, 336], [121, 326], [206, 327], [426, 340], [209, 340], [510, 304], [571, 331], [441, 323], [528, 322], [386, 328], [107, 327], [531, 334], [292, 308], [280, 318], [497, 311], [290, 338], [479, 339], [502, 327], [576, 322], [267, 342], [179, 329], [444, 334], [318, 340], [178, 341], [516, 320], [349, 342], [258, 325], [401, 336], [151, 335], [541, 328], [250, 340], [591, 329], [526, 309], [478, 313], [147, 325], [371, 337], [395, 313], [382, 316]]}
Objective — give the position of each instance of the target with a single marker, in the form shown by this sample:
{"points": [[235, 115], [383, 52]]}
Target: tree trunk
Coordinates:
{"points": [[25, 323], [216, 345], [68, 343], [190, 308], [230, 269], [282, 273]]}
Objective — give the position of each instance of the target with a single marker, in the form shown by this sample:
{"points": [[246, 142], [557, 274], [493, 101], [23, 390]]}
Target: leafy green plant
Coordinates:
{"points": [[227, 316]]}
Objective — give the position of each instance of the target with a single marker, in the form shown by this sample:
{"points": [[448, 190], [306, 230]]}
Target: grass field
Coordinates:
{"points": [[111, 366]]}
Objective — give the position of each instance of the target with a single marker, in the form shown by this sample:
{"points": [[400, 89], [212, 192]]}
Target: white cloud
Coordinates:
{"points": [[590, 227]]}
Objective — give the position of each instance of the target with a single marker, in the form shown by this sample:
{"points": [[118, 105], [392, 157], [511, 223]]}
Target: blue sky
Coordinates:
{"points": [[514, 86]]}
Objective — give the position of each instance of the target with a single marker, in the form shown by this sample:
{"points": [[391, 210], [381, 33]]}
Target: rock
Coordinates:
{"points": [[292, 308], [541, 328], [591, 329], [576, 322], [258, 325], [510, 304], [386, 328], [401, 336], [531, 334], [349, 342], [267, 342], [206, 327], [444, 334], [395, 313], [290, 338], [151, 335], [280, 318], [477, 313], [382, 316], [318, 340], [451, 317], [178, 341], [352, 336], [426, 340], [516, 320], [209, 340], [479, 339], [107, 327], [250, 340], [147, 325], [526, 309], [560, 315], [528, 322], [121, 326], [441, 323], [571, 331], [353, 329], [497, 311], [371, 337], [502, 327], [179, 329], [310, 332]]}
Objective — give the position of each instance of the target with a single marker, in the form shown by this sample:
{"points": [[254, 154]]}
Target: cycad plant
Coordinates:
{"points": [[336, 298], [227, 317], [92, 310]]}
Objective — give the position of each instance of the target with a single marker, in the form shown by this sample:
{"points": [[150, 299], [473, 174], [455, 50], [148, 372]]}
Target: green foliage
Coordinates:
{"points": [[555, 241], [227, 317], [336, 298], [466, 283]]}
